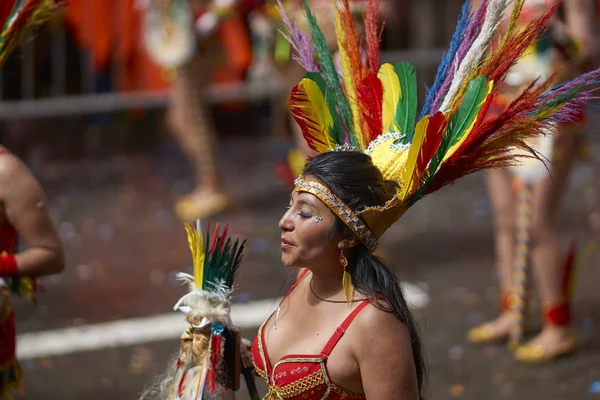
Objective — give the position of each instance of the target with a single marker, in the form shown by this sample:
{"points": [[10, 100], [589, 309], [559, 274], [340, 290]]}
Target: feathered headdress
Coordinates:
{"points": [[17, 17], [372, 108]]}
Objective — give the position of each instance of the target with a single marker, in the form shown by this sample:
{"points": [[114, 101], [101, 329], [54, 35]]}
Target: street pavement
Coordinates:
{"points": [[124, 246]]}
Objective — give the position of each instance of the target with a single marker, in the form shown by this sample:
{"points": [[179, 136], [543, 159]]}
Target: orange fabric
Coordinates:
{"points": [[92, 24], [235, 40], [106, 26]]}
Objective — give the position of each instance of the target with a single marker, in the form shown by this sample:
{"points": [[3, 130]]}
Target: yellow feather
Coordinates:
{"points": [[512, 25], [314, 111], [456, 145], [349, 83], [392, 93], [196, 242], [413, 154]]}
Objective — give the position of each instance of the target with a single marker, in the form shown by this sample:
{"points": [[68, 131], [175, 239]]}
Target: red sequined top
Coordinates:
{"points": [[302, 376]]}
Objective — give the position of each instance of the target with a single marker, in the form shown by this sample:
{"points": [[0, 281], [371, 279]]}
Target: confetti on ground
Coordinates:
{"points": [[595, 387], [457, 391]]}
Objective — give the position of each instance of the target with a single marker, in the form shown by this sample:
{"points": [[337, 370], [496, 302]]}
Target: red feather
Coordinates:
{"points": [[435, 131], [297, 96], [370, 98], [489, 145], [215, 236], [371, 21], [501, 59], [223, 236], [351, 43]]}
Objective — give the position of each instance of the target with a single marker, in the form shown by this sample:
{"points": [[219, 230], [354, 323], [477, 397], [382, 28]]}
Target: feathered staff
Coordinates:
{"points": [[207, 307]]}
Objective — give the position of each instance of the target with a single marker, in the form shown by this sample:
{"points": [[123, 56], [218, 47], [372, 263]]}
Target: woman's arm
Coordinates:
{"points": [[26, 207], [384, 355]]}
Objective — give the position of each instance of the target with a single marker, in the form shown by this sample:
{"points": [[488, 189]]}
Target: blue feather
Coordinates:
{"points": [[461, 26]]}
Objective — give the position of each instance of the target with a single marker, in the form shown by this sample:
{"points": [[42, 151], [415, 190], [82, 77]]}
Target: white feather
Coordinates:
{"points": [[493, 17]]}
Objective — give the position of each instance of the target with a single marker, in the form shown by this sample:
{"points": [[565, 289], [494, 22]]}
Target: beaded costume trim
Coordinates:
{"points": [[349, 217], [310, 382]]}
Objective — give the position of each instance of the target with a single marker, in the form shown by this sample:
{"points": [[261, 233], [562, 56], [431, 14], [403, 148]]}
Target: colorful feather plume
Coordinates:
{"points": [[215, 266], [17, 17], [444, 73], [351, 63], [472, 32], [328, 70], [514, 44], [312, 112], [469, 66], [453, 137]]}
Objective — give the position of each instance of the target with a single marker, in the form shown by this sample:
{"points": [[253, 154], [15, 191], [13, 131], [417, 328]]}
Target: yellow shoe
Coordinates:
{"points": [[200, 207], [537, 353], [486, 333]]}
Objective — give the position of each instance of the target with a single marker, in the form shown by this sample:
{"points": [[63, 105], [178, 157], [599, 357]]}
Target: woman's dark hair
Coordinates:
{"points": [[352, 177]]}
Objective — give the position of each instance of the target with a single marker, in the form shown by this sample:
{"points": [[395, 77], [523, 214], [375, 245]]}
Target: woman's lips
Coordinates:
{"points": [[285, 244]]}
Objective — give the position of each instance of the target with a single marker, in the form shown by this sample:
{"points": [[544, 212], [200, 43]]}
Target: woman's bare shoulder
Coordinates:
{"points": [[382, 347], [377, 321]]}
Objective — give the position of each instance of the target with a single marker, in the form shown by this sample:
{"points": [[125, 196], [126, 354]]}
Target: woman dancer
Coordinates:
{"points": [[344, 330], [191, 37]]}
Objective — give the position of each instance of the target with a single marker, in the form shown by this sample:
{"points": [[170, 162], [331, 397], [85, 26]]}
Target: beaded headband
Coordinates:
{"points": [[339, 208]]}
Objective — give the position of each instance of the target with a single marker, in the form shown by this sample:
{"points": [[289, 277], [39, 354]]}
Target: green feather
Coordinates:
{"points": [[406, 111], [461, 119], [222, 263], [330, 75], [336, 131], [469, 108]]}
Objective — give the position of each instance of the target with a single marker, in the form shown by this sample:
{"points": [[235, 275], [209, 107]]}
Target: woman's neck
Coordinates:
{"points": [[327, 282]]}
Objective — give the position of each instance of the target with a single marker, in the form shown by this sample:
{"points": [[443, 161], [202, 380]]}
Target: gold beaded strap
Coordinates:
{"points": [[349, 217]]}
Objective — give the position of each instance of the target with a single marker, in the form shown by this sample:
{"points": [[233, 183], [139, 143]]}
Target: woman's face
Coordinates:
{"points": [[306, 237]]}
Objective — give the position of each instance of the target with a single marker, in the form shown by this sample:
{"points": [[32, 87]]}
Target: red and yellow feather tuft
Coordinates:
{"points": [[309, 108]]}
